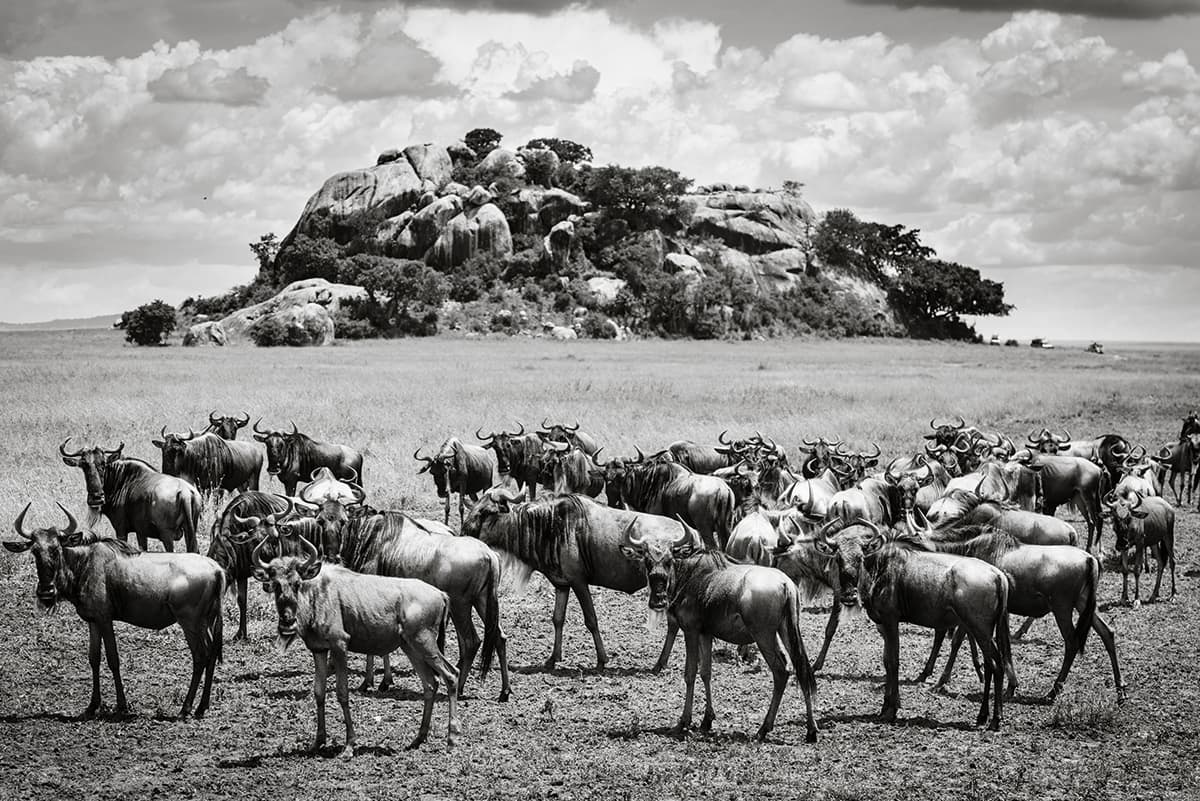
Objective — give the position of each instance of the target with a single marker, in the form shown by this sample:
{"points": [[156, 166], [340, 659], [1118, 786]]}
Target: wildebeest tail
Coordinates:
{"points": [[189, 518], [1084, 624], [217, 627], [805, 677], [442, 623], [1003, 634], [491, 617], [724, 518]]}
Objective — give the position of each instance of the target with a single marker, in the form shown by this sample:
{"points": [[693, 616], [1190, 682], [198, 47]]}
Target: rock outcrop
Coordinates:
{"points": [[754, 222], [297, 304], [206, 334]]}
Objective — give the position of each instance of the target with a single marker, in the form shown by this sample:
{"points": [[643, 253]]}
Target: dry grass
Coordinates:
{"points": [[607, 735]]}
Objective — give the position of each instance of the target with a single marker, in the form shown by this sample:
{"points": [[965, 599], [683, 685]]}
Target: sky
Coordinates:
{"points": [[1052, 144]]}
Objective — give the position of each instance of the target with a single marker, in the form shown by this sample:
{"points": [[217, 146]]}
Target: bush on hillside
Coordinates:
{"points": [[149, 324]]}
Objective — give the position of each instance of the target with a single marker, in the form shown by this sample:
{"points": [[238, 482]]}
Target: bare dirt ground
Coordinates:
{"points": [[573, 732]]}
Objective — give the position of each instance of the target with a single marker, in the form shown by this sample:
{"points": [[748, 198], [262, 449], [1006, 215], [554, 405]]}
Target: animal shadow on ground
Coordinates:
{"points": [[920, 721], [848, 677], [56, 716], [259, 675], [559, 670], [302, 752]]}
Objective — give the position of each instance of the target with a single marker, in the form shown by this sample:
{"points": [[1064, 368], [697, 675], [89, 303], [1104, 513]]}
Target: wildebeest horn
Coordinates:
{"points": [[1137, 495], [63, 449], [557, 447], [840, 450], [520, 433], [888, 472], [213, 417], [961, 446], [245, 418], [593, 456], [862, 521], [117, 450], [1110, 498], [303, 493], [1120, 448], [809, 442], [933, 424], [163, 432], [72, 523], [573, 428], [479, 436], [246, 523], [634, 542], [1066, 437], [258, 430], [641, 456], [191, 435], [545, 423], [360, 494], [934, 450], [256, 554], [1133, 454], [295, 430], [721, 438], [874, 455], [417, 455], [685, 536], [19, 523]]}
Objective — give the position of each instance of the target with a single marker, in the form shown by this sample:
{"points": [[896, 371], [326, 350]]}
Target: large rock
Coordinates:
{"points": [[557, 244], [542, 209], [206, 334], [478, 230], [427, 225], [310, 292], [502, 163], [605, 287], [306, 325], [754, 222]]}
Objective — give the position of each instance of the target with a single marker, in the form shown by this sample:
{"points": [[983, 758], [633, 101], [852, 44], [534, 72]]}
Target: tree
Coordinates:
{"points": [[265, 250], [565, 149], [402, 296], [307, 257], [483, 141], [540, 167], [149, 324], [870, 250], [934, 293], [644, 198]]}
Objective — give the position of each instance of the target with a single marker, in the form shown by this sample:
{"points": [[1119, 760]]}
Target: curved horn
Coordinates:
{"points": [[256, 554], [631, 540], [117, 450], [961, 422], [213, 417], [874, 455], [479, 436], [258, 430], [191, 435], [417, 455], [933, 424], [295, 430], [360, 494], [246, 523], [840, 450], [721, 438], [1066, 437], [546, 423], [862, 521], [304, 494], [245, 418], [684, 538], [72, 523], [641, 456], [353, 479], [163, 432], [520, 433], [1110, 498], [889, 473], [63, 449], [809, 442], [19, 523], [1137, 495], [576, 427], [593, 456]]}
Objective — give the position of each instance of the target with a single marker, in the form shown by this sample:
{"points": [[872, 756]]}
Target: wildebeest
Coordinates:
{"points": [[574, 542], [1047, 579], [666, 488], [107, 580], [851, 466], [570, 467], [211, 464], [706, 595], [461, 468], [1176, 464], [517, 454], [705, 459], [1068, 479], [137, 498], [395, 544], [820, 452], [872, 500], [226, 426], [897, 581], [560, 432], [1140, 523], [335, 611], [293, 457], [965, 508], [947, 434], [812, 495]]}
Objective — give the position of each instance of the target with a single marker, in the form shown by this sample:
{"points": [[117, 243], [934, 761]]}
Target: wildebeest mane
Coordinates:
{"points": [[367, 540], [205, 459], [981, 542], [535, 532], [970, 501], [117, 546], [647, 482], [124, 477]]}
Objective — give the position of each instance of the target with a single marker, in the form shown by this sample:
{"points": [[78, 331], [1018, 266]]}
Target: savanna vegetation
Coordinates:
{"points": [[572, 732]]}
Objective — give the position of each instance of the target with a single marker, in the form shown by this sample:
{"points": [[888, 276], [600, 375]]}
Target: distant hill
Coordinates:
{"points": [[68, 324]]}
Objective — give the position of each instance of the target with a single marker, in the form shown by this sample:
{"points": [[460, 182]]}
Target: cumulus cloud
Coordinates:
{"points": [[206, 81], [576, 86], [1115, 9]]}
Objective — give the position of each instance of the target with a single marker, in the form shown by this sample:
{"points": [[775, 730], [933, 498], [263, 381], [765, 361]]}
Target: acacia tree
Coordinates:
{"points": [[935, 293], [565, 149], [149, 324], [644, 198], [483, 141]]}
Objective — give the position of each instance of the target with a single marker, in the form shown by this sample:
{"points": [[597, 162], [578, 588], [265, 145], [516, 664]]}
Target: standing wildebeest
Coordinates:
{"points": [[1068, 479], [705, 459], [394, 544], [107, 580], [569, 434], [519, 455], [294, 457], [812, 495], [851, 466], [708, 596], [136, 497], [948, 434], [336, 611], [669, 489], [570, 468], [960, 508], [1140, 523], [574, 542], [1047, 579], [821, 453], [897, 581], [465, 469], [208, 462], [1176, 464], [226, 426]]}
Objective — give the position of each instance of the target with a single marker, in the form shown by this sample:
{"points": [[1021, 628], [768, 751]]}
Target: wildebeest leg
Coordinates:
{"points": [[939, 635], [241, 602], [320, 671], [368, 674], [143, 541], [446, 509], [706, 643], [830, 629], [1104, 632], [385, 683], [114, 664], [668, 644], [1124, 582], [1138, 557], [339, 658], [468, 639], [955, 644], [691, 644], [773, 656], [593, 625], [94, 661], [430, 664], [1161, 558], [168, 544], [1062, 616], [561, 594], [891, 670], [199, 644], [1025, 627], [480, 606]]}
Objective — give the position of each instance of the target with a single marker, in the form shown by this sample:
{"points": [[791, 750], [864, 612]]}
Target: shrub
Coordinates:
{"points": [[149, 324], [270, 332], [595, 326]]}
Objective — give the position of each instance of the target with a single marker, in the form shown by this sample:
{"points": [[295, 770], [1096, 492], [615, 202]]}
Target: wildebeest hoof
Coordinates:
{"points": [[88, 713], [658, 668], [994, 725], [1137, 604], [981, 718], [384, 686], [887, 716], [416, 743], [811, 736], [347, 753], [503, 696], [550, 663]]}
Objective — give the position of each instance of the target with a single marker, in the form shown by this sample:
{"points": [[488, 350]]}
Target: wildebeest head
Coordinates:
{"points": [[492, 504], [851, 466], [849, 548], [657, 557], [946, 433], [281, 447], [46, 545], [95, 464], [743, 479], [436, 466], [560, 432], [1046, 442], [174, 450], [502, 443], [284, 577], [333, 499], [226, 427], [947, 455], [613, 473], [1122, 511], [1191, 424], [907, 483]]}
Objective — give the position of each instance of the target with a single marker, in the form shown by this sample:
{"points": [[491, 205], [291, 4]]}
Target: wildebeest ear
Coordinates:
{"points": [[259, 437], [70, 461], [18, 547], [631, 554], [311, 571], [263, 578], [871, 462], [1139, 512], [681, 551], [158, 443]]}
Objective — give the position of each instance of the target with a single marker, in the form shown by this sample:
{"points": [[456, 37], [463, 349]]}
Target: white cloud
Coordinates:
{"points": [[1038, 144]]}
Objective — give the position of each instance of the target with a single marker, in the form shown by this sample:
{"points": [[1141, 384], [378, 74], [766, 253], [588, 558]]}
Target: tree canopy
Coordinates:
{"points": [[565, 149], [149, 324], [483, 140], [645, 197]]}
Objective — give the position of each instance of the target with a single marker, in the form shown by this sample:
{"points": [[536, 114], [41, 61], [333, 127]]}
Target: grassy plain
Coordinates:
{"points": [[574, 733]]}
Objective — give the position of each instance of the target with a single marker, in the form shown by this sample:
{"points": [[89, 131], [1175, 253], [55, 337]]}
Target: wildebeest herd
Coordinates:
{"points": [[731, 539]]}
